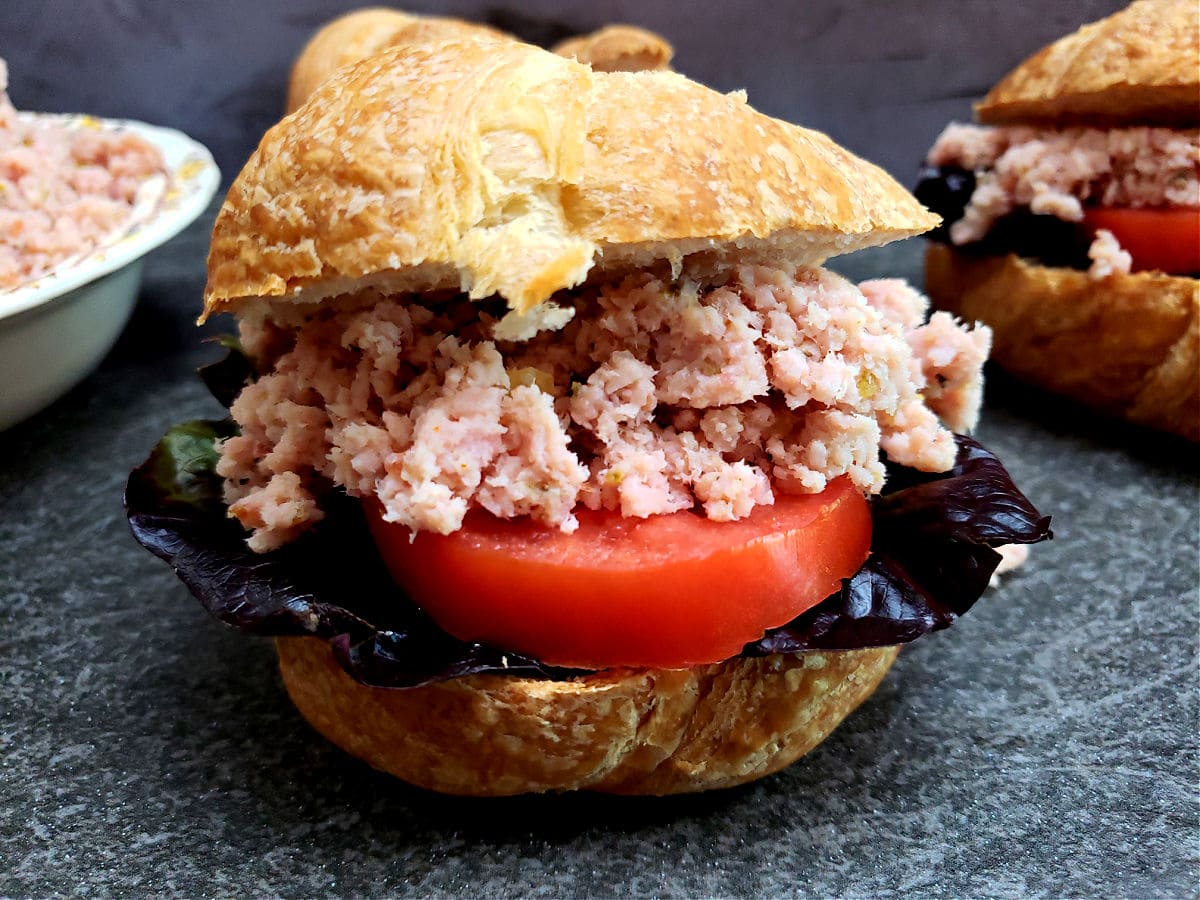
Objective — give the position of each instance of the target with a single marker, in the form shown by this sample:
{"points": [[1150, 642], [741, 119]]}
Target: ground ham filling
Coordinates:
{"points": [[655, 397], [1057, 172], [63, 191], [1107, 256]]}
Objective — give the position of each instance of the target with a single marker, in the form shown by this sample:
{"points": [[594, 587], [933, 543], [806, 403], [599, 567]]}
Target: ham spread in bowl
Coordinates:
{"points": [[65, 189]]}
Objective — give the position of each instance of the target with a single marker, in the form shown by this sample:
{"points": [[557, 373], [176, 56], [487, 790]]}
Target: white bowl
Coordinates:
{"points": [[55, 329]]}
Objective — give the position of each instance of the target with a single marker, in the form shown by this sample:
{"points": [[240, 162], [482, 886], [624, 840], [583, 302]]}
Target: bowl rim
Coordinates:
{"points": [[193, 178]]}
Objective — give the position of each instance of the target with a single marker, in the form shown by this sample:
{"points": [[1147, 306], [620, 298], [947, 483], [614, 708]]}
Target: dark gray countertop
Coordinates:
{"points": [[1046, 745]]}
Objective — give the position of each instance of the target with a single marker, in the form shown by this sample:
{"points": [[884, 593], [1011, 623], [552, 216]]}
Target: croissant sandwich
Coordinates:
{"points": [[555, 458], [1072, 216]]}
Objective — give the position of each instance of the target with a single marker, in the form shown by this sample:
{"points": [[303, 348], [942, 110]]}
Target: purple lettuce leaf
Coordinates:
{"points": [[931, 559], [226, 377], [329, 583]]}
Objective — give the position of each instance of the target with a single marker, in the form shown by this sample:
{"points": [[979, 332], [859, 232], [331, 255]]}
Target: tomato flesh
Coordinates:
{"points": [[1166, 239], [669, 591]]}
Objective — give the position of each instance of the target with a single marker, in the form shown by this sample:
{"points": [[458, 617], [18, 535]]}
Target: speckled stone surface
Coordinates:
{"points": [[1046, 745]]}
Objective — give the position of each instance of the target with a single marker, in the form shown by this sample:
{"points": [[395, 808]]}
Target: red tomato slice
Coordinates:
{"points": [[666, 592], [1156, 238]]}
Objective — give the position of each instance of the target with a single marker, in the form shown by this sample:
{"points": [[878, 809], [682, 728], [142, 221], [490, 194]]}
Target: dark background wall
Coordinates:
{"points": [[881, 77]]}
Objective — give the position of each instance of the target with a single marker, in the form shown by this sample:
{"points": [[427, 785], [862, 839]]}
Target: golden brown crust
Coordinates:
{"points": [[497, 168], [619, 48], [1128, 345], [1140, 66], [363, 32], [626, 732]]}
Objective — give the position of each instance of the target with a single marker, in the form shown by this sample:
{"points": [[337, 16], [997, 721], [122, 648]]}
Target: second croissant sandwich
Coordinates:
{"points": [[1072, 216], [358, 34]]}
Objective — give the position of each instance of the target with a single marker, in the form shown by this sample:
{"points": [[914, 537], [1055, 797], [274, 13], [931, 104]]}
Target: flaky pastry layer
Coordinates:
{"points": [[1128, 344], [497, 168], [1140, 66], [626, 731]]}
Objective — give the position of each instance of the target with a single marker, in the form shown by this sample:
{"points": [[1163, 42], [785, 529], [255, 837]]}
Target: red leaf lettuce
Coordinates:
{"points": [[931, 557]]}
